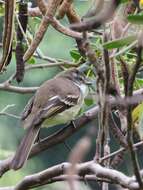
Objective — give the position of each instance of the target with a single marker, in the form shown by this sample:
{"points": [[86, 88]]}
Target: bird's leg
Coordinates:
{"points": [[38, 139], [73, 124]]}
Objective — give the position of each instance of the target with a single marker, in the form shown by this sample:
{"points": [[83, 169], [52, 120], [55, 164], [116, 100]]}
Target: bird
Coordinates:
{"points": [[57, 101]]}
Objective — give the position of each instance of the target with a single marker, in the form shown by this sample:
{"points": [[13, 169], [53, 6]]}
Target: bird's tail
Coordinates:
{"points": [[24, 148]]}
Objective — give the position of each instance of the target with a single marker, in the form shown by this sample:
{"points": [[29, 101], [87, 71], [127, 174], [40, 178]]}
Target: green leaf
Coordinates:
{"points": [[31, 61], [75, 54], [139, 127], [119, 42], [137, 112], [135, 19], [1, 10], [124, 1], [139, 81], [88, 102]]}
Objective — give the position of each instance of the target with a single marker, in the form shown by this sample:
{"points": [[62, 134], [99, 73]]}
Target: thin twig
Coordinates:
{"points": [[64, 30], [10, 115], [22, 31], [51, 10], [15, 89], [3, 111], [119, 151]]}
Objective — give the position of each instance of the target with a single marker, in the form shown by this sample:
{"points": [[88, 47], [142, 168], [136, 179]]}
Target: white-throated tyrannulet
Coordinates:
{"points": [[57, 101]]}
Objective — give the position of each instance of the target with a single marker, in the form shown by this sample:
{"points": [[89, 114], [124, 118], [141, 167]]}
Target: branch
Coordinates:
{"points": [[42, 6], [64, 8], [34, 12], [63, 134], [64, 178], [51, 10], [15, 89], [119, 151], [131, 80], [44, 177], [64, 30], [3, 112], [73, 17], [6, 86], [99, 19], [46, 65], [56, 24], [79, 178], [41, 56]]}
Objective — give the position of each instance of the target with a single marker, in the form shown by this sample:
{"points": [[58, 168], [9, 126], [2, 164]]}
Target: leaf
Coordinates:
{"points": [[135, 19], [88, 102], [31, 61], [124, 1], [75, 54], [139, 128], [1, 10], [137, 112], [139, 81], [141, 4], [119, 42]]}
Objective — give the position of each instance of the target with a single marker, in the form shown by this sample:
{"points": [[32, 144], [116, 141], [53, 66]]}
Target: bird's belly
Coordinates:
{"points": [[62, 118]]}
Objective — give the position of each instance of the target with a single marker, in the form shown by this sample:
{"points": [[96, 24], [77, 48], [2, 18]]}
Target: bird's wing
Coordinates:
{"points": [[54, 106], [27, 109]]}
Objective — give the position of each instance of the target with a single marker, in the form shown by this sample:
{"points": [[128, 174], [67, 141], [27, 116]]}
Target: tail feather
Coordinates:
{"points": [[24, 148]]}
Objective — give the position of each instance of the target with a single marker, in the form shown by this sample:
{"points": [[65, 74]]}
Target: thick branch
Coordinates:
{"points": [[44, 177]]}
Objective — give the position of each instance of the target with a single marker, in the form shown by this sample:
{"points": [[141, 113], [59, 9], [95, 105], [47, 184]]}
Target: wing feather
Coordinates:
{"points": [[54, 106], [28, 108]]}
